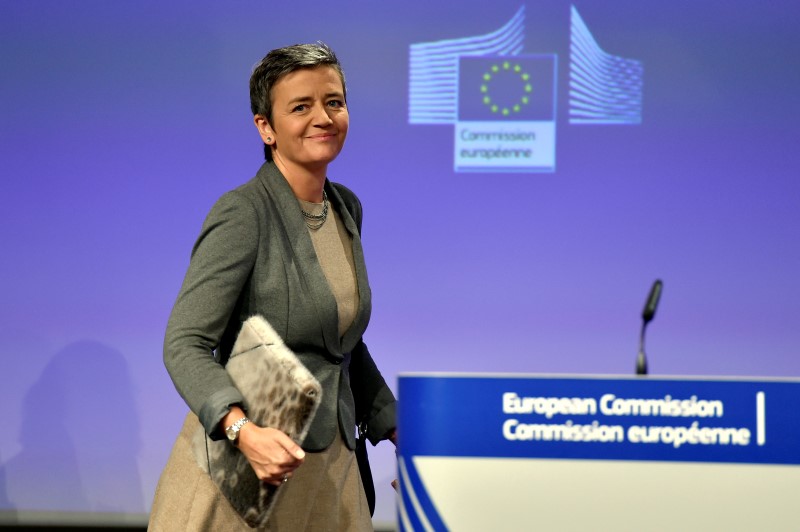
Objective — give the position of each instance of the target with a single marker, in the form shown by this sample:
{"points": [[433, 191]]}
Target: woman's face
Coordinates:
{"points": [[309, 119]]}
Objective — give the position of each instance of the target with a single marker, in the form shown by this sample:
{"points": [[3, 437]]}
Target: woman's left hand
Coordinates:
{"points": [[272, 454]]}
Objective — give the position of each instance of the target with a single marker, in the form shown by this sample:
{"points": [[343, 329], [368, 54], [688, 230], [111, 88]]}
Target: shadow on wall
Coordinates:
{"points": [[6, 513], [79, 437]]}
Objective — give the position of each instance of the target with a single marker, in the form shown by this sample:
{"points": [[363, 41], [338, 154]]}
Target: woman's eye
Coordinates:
{"points": [[336, 103], [299, 108]]}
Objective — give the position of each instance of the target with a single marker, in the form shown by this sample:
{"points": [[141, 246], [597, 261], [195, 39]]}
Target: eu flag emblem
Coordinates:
{"points": [[505, 87]]}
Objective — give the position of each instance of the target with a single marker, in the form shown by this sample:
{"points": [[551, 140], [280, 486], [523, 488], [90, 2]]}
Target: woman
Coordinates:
{"points": [[286, 245]]}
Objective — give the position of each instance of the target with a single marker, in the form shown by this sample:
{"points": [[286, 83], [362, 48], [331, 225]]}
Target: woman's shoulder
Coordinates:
{"points": [[249, 191], [242, 204], [254, 190]]}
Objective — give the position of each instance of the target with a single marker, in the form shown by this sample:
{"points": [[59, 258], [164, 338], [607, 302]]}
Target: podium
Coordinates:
{"points": [[529, 452]]}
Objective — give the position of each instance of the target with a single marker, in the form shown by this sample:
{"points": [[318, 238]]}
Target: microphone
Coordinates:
{"points": [[648, 313]]}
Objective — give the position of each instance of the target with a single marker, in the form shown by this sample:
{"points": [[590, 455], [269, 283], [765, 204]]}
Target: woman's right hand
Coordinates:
{"points": [[273, 455]]}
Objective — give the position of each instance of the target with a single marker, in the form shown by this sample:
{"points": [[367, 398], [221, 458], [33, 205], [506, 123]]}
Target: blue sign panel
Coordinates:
{"points": [[735, 421]]}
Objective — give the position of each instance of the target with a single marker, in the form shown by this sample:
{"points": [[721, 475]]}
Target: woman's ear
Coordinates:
{"points": [[264, 129]]}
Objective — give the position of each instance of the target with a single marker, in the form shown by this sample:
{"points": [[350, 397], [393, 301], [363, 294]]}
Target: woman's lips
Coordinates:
{"points": [[323, 136]]}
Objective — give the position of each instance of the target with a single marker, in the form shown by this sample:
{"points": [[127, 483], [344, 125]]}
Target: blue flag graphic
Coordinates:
{"points": [[500, 88]]}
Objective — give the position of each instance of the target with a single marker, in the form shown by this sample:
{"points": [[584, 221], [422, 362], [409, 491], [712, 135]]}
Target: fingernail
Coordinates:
{"points": [[301, 454]]}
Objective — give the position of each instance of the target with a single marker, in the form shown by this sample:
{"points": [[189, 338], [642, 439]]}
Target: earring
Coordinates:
{"points": [[269, 139]]}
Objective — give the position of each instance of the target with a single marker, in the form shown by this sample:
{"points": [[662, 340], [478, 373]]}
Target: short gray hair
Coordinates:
{"points": [[280, 62]]}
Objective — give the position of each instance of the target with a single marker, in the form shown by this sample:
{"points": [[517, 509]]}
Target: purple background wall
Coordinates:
{"points": [[121, 123]]}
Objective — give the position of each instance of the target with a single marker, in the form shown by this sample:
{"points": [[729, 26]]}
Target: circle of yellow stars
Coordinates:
{"points": [[506, 68]]}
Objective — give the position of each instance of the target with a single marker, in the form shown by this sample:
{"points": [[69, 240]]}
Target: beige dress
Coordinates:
{"points": [[325, 493]]}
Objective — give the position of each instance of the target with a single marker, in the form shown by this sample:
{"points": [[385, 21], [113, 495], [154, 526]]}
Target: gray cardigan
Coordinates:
{"points": [[254, 256]]}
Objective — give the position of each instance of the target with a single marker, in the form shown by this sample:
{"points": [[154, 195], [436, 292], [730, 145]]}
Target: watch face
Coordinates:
{"points": [[231, 434]]}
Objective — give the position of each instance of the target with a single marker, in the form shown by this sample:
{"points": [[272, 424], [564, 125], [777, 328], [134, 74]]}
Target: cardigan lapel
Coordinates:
{"points": [[308, 266]]}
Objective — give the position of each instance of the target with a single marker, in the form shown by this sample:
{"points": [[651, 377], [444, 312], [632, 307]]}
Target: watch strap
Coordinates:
{"points": [[233, 431]]}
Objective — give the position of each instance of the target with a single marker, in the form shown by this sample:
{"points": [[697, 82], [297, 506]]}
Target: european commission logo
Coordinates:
{"points": [[506, 114], [502, 102]]}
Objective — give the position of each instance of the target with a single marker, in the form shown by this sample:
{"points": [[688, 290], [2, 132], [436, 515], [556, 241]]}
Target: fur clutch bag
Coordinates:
{"points": [[279, 392]]}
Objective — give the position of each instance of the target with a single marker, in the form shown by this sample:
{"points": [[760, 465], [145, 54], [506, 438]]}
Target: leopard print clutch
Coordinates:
{"points": [[279, 392]]}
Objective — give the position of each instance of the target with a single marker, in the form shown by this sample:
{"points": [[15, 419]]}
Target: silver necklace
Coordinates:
{"points": [[315, 221]]}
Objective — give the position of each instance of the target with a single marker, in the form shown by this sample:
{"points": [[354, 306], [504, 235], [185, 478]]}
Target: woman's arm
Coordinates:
{"points": [[221, 262]]}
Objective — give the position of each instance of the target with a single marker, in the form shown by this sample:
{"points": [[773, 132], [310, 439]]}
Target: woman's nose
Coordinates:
{"points": [[321, 116]]}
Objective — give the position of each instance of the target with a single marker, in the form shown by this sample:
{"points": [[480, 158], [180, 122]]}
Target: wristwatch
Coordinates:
{"points": [[232, 432]]}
